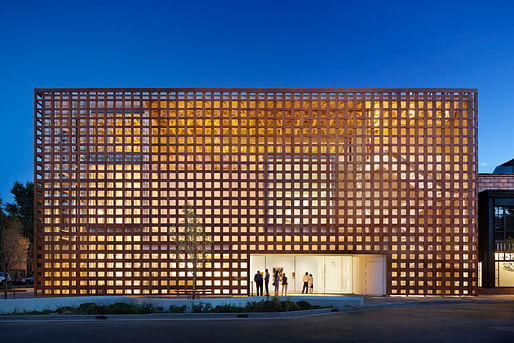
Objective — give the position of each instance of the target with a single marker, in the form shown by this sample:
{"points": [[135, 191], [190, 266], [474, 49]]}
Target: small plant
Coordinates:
{"points": [[177, 309], [86, 308], [65, 310], [304, 305], [289, 305], [228, 308], [276, 305], [201, 308]]}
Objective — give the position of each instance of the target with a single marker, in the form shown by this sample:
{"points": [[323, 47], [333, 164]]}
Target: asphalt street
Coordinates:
{"points": [[429, 323]]}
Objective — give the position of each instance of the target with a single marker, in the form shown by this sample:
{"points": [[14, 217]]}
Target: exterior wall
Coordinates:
{"points": [[270, 171], [495, 181]]}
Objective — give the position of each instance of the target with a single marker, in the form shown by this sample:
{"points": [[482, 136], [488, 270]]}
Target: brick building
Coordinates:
{"points": [[496, 228]]}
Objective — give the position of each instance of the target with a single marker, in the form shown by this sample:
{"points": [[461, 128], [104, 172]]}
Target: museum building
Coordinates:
{"points": [[372, 191]]}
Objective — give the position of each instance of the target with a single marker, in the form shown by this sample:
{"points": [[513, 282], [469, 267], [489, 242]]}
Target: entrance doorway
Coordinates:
{"points": [[332, 274]]}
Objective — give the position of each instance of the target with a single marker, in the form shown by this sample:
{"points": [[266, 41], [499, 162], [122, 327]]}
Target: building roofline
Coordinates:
{"points": [[497, 192], [294, 90]]}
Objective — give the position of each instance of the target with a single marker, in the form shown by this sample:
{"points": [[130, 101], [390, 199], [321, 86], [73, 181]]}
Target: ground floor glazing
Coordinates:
{"points": [[332, 274]]}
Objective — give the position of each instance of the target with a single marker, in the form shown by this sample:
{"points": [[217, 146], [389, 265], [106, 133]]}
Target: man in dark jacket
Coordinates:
{"points": [[258, 282], [266, 282]]}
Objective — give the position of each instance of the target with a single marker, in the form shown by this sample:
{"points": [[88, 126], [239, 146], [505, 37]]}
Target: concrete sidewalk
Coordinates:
{"points": [[400, 301]]}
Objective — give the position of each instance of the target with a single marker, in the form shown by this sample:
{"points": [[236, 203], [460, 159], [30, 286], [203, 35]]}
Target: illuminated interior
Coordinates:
{"points": [[331, 274]]}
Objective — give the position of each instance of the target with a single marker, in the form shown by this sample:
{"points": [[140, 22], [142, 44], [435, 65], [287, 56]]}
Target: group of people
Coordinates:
{"points": [[308, 283], [308, 286]]}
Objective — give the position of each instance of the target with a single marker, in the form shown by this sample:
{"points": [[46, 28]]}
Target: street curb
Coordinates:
{"points": [[171, 316], [428, 303]]}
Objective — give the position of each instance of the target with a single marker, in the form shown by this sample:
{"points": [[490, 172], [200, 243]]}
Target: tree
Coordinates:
{"points": [[191, 242], [12, 247], [23, 207]]}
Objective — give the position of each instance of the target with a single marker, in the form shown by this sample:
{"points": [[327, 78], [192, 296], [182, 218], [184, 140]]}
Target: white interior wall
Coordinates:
{"points": [[346, 274], [333, 274], [309, 264], [319, 279], [358, 277]]}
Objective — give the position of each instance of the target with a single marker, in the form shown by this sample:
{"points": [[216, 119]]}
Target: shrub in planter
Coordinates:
{"points": [[177, 309], [201, 308], [88, 308], [288, 305], [304, 305], [228, 308]]}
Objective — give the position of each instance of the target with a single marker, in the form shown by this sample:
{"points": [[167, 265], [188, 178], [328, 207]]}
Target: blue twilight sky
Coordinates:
{"points": [[468, 44]]}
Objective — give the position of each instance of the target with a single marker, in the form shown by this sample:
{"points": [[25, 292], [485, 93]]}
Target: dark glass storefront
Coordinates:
{"points": [[496, 242], [503, 222]]}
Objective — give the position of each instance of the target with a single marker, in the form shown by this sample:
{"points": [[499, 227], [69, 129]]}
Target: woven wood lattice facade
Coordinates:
{"points": [[292, 171]]}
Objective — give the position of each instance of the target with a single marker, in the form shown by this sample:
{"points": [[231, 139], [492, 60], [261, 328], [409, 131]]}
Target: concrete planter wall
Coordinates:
{"points": [[41, 304]]}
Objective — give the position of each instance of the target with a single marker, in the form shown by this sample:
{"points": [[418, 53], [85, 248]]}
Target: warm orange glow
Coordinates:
{"points": [[386, 172]]}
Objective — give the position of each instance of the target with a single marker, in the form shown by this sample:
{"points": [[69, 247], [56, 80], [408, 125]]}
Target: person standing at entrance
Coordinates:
{"points": [[266, 282], [284, 284], [311, 284], [276, 282], [305, 288], [258, 282]]}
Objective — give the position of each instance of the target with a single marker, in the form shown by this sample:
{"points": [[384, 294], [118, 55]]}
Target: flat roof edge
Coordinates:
{"points": [[497, 191], [324, 90]]}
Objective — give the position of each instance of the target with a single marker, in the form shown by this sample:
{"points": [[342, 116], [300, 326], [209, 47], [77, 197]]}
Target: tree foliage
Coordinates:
{"points": [[191, 242], [12, 248], [23, 207]]}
